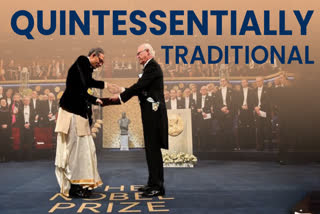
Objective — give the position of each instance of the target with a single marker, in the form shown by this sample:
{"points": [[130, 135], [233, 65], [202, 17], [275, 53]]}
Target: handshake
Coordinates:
{"points": [[114, 100]]}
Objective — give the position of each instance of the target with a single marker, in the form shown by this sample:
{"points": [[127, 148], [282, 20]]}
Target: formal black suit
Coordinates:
{"points": [[226, 120], [180, 104], [5, 133], [26, 134], [246, 120], [263, 125], [284, 102], [203, 124], [195, 98], [154, 120], [44, 111], [75, 98], [194, 115], [191, 104], [35, 105]]}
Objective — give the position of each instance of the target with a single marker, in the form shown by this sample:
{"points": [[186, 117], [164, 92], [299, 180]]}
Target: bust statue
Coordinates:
{"points": [[124, 124]]}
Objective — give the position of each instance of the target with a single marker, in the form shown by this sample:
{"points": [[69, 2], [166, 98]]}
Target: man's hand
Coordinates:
{"points": [[257, 110], [245, 107], [99, 101], [114, 89], [27, 125], [4, 126], [224, 109], [199, 110], [50, 115]]}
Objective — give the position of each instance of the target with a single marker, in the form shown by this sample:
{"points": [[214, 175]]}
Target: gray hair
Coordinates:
{"points": [[147, 46], [96, 51]]}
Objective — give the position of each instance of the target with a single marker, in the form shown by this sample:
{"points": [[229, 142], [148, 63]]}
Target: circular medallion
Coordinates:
{"points": [[175, 125]]}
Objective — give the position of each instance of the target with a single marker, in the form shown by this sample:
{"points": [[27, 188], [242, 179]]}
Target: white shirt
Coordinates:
{"points": [[9, 101], [34, 102], [174, 104], [187, 102], [26, 113], [259, 95], [194, 96], [203, 100], [245, 96], [50, 106], [224, 95]]}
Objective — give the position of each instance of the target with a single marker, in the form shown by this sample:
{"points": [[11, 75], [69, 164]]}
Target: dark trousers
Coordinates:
{"points": [[5, 144], [264, 133], [284, 139], [26, 143], [226, 131], [204, 134], [246, 129], [155, 164]]}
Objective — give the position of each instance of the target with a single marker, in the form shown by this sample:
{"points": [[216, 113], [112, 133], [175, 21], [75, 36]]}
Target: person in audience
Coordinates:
{"points": [[15, 108], [26, 120], [262, 113], [174, 103], [204, 118], [245, 112], [5, 131], [8, 96], [225, 114], [47, 112], [194, 93], [35, 103], [180, 95], [166, 97]]}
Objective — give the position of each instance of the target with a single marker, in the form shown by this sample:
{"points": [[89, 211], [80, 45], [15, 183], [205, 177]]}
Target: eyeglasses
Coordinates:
{"points": [[100, 60], [141, 52]]}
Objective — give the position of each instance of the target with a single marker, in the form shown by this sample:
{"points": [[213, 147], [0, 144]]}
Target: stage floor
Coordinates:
{"points": [[211, 187]]}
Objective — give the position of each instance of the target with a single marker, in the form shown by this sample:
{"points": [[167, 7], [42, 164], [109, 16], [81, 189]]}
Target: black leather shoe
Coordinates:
{"points": [[153, 192], [144, 188], [282, 162], [76, 191]]}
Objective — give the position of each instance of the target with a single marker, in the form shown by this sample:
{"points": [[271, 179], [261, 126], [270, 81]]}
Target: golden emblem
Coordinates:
{"points": [[175, 125]]}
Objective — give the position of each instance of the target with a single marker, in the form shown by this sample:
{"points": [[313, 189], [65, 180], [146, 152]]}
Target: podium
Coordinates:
{"points": [[180, 131], [180, 138]]}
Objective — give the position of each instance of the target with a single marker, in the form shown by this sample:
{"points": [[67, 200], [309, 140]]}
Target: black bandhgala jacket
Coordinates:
{"points": [[75, 98]]}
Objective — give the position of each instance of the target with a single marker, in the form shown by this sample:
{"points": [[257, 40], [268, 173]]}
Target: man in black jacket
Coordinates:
{"points": [[149, 89], [76, 162], [225, 113], [262, 112], [26, 120], [245, 122]]}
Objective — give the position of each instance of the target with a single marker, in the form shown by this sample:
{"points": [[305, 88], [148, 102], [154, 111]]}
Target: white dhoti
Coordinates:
{"points": [[76, 160]]}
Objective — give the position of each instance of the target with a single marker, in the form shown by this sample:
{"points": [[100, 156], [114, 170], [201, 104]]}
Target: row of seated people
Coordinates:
{"points": [[57, 69], [215, 70], [37, 70], [234, 119]]}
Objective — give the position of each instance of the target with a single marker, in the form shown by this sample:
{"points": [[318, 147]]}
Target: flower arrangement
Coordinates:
{"points": [[179, 159]]}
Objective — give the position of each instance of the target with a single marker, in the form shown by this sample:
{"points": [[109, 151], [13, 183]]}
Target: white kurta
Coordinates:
{"points": [[76, 160]]}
